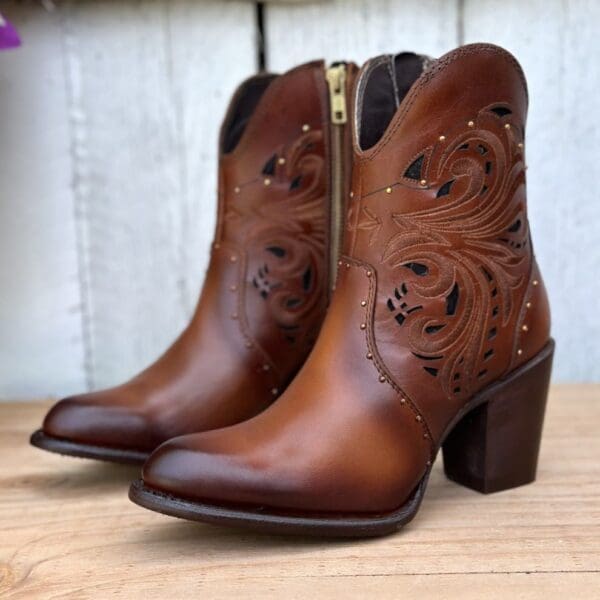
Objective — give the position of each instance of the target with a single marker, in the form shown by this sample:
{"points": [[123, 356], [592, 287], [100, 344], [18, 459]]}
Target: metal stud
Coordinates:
{"points": [[426, 436], [388, 190], [274, 391], [525, 328], [347, 265], [234, 316], [217, 245], [428, 463], [266, 367], [419, 418], [535, 282], [442, 138], [527, 304], [267, 181], [382, 378], [233, 258], [305, 127], [423, 182], [363, 325], [369, 356], [363, 302], [471, 124], [402, 400], [369, 273], [340, 263], [236, 189], [351, 194], [233, 288], [507, 126], [521, 145], [281, 160], [519, 351], [248, 344]]}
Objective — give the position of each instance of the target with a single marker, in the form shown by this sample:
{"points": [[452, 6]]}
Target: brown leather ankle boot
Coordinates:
{"points": [[437, 336], [282, 184]]}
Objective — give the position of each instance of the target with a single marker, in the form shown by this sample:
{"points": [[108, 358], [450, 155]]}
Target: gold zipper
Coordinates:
{"points": [[336, 79]]}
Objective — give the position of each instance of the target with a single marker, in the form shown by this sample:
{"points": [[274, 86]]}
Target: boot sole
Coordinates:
{"points": [[268, 520], [491, 445], [39, 439]]}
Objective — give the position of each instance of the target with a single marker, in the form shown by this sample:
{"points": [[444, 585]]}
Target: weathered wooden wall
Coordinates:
{"points": [[108, 121]]}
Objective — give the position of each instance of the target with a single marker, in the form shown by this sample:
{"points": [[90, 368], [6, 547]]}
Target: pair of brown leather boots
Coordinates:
{"points": [[286, 407]]}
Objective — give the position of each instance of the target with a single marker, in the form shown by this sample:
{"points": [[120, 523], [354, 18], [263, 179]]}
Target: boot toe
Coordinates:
{"points": [[177, 469], [91, 419]]}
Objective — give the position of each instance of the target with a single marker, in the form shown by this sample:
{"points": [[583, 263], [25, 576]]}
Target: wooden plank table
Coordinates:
{"points": [[67, 530]]}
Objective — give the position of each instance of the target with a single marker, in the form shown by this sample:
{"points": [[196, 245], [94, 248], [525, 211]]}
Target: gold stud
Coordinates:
{"points": [[382, 378], [423, 182], [369, 273], [507, 126], [419, 418], [267, 181], [347, 265], [351, 194], [305, 127], [442, 138], [471, 124], [535, 282], [234, 316], [340, 263], [369, 356], [266, 367], [525, 328], [233, 258], [521, 145], [388, 190], [274, 391], [402, 400], [236, 189], [527, 304], [363, 325], [519, 351], [281, 160], [363, 303]]}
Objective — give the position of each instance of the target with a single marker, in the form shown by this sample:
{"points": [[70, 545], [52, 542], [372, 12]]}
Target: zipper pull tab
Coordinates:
{"points": [[336, 78]]}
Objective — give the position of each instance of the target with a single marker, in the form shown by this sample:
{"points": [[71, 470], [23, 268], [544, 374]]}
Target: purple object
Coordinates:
{"points": [[9, 38]]}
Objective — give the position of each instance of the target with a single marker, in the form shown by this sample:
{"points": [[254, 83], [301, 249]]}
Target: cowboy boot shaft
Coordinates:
{"points": [[281, 190], [439, 214]]}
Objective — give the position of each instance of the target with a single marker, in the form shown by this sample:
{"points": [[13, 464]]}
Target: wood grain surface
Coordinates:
{"points": [[67, 530], [109, 115]]}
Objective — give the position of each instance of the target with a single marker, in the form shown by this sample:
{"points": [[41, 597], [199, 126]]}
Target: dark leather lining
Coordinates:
{"points": [[247, 101], [385, 88]]}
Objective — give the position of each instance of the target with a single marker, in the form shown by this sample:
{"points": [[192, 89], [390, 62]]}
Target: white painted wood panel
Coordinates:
{"points": [[108, 124], [41, 345], [557, 44], [357, 29]]}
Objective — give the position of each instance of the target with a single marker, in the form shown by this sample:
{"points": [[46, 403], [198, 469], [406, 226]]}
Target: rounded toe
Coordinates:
{"points": [[92, 419], [176, 469]]}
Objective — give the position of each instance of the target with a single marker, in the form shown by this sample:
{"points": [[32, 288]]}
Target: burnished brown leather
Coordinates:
{"points": [[438, 297], [266, 289]]}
